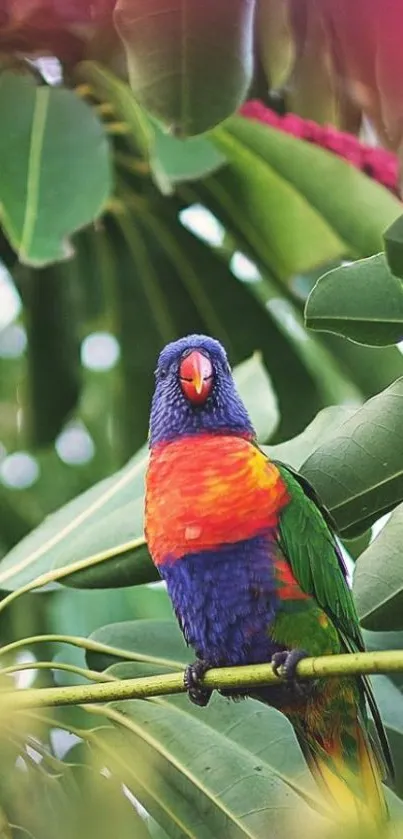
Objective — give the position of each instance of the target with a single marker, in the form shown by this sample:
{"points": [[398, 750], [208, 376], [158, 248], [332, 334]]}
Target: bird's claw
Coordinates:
{"points": [[198, 694], [286, 662]]}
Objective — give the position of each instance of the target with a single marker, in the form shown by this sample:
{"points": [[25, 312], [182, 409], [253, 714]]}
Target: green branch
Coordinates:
{"points": [[226, 677]]}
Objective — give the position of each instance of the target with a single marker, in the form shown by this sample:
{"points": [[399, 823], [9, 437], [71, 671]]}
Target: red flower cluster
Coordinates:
{"points": [[379, 164]]}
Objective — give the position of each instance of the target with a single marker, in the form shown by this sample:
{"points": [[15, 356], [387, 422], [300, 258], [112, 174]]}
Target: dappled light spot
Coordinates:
{"points": [[203, 224], [50, 69], [13, 341], [10, 303], [75, 445], [19, 470], [25, 678], [284, 315], [243, 268], [100, 351]]}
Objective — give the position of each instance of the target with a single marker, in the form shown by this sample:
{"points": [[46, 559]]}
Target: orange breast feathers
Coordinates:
{"points": [[207, 491]]}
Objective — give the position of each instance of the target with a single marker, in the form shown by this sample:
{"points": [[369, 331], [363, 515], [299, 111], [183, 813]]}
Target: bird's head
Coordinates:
{"points": [[195, 392]]}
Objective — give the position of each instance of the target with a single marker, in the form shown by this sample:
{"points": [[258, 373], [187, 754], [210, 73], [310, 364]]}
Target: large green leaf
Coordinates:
{"points": [[378, 578], [268, 167], [296, 451], [171, 159], [96, 540], [358, 471], [257, 200], [362, 301], [390, 701], [230, 790], [89, 528], [54, 377], [258, 741], [155, 642], [187, 66], [54, 178], [370, 368], [253, 382], [393, 238]]}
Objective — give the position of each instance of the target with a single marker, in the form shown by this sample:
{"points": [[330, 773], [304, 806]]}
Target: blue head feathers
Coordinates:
{"points": [[216, 406]]}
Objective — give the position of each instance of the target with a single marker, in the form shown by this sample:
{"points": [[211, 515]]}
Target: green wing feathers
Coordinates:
{"points": [[309, 545], [311, 550]]}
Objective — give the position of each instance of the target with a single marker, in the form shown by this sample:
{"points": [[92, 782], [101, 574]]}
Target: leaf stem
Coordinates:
{"points": [[91, 646], [226, 677]]}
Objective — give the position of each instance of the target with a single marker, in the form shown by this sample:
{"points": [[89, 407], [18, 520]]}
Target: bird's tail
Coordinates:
{"points": [[350, 774]]}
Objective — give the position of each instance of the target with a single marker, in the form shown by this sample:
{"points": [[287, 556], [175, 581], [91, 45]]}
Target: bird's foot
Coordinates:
{"points": [[198, 694], [284, 663]]}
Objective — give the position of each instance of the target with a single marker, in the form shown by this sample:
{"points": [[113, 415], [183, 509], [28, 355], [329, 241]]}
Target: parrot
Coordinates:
{"points": [[254, 571]]}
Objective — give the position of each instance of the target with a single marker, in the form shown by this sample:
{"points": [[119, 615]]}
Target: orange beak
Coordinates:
{"points": [[196, 377]]}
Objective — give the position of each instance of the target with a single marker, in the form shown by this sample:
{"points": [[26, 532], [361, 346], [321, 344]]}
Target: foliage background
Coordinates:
{"points": [[117, 237]]}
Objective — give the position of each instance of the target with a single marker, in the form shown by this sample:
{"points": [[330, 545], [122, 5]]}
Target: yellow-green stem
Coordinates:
{"points": [[226, 677]]}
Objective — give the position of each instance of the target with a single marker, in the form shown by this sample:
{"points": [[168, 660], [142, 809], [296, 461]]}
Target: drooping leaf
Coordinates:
{"points": [[253, 381], [275, 42], [362, 301], [370, 368], [107, 515], [249, 733], [269, 169], [53, 349], [171, 159], [255, 197], [393, 238], [390, 701], [358, 471], [187, 66], [378, 578], [39, 149], [230, 791], [297, 450]]}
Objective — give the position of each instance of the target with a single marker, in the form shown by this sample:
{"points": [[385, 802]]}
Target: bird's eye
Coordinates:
{"points": [[163, 373]]}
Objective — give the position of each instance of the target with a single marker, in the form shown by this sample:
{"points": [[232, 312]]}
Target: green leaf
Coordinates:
{"points": [[54, 367], [297, 450], [104, 521], [393, 238], [171, 159], [390, 701], [253, 382], [183, 159], [356, 547], [358, 471], [187, 66], [370, 368], [362, 301], [230, 791], [39, 149], [378, 578], [256, 199], [156, 642], [270, 169], [239, 758]]}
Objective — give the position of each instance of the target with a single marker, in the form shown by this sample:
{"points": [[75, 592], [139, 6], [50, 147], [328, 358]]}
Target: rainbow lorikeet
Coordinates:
{"points": [[253, 569]]}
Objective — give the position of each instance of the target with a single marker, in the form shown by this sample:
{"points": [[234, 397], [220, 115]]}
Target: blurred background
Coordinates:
{"points": [[157, 181]]}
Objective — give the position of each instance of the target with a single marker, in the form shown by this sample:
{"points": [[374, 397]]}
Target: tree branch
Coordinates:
{"points": [[226, 677]]}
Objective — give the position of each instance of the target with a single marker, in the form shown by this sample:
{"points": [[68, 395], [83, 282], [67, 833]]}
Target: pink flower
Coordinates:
{"points": [[379, 164]]}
